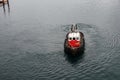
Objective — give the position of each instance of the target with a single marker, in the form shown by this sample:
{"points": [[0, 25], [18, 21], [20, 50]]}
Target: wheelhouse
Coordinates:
{"points": [[74, 36]]}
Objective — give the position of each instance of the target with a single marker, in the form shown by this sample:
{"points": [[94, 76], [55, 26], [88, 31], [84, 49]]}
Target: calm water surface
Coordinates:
{"points": [[32, 36]]}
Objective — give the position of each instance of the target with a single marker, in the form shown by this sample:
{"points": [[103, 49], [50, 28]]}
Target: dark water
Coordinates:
{"points": [[32, 36]]}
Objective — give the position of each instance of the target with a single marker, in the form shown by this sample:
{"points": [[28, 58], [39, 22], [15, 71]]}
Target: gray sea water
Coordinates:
{"points": [[32, 36]]}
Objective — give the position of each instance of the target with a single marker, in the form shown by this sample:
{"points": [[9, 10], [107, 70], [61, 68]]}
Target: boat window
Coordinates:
{"points": [[73, 38], [70, 38], [78, 38]]}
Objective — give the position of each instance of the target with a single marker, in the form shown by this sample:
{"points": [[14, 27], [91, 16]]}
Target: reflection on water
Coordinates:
{"points": [[74, 59], [5, 4]]}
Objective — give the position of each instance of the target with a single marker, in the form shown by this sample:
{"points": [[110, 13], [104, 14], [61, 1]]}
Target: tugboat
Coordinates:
{"points": [[74, 42]]}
